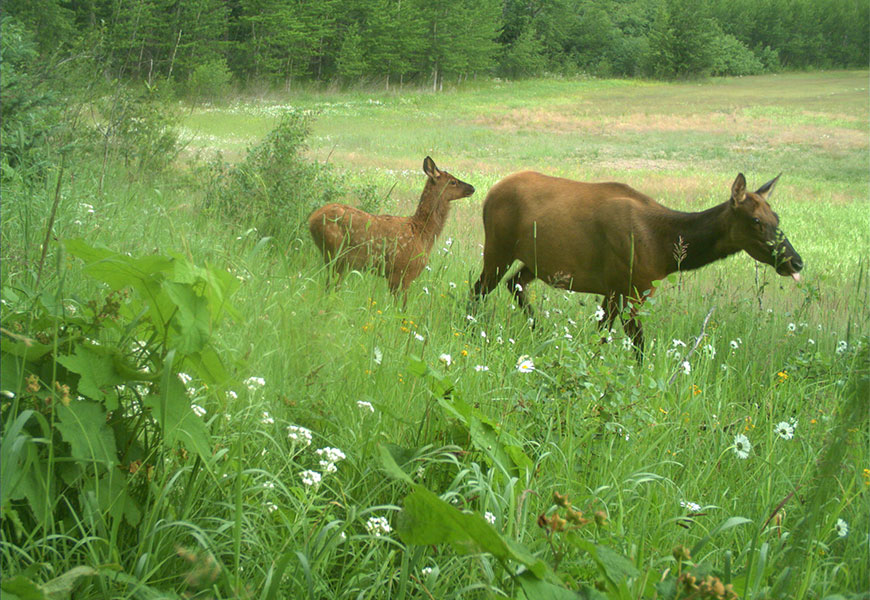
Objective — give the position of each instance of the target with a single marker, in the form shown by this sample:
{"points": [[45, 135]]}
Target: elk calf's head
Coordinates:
{"points": [[441, 185], [755, 228]]}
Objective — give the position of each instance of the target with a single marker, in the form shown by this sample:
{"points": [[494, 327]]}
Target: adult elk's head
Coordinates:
{"points": [[444, 185], [756, 229]]}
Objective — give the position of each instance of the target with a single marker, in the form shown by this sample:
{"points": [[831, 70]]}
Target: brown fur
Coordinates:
{"points": [[607, 238], [398, 247]]}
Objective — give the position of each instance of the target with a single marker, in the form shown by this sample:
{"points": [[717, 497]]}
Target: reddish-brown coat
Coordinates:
{"points": [[397, 247], [607, 238]]}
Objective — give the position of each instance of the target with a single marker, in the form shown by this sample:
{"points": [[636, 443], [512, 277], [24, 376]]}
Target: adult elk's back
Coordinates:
{"points": [[607, 238], [396, 246]]}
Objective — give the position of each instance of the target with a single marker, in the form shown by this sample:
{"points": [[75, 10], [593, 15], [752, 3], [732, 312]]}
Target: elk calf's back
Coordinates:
{"points": [[398, 247], [607, 238]]}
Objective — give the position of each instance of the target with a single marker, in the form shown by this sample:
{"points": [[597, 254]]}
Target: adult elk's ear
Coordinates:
{"points": [[766, 190], [738, 190], [430, 169]]}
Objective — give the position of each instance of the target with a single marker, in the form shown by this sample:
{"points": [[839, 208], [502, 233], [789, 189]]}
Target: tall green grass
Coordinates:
{"points": [[642, 444]]}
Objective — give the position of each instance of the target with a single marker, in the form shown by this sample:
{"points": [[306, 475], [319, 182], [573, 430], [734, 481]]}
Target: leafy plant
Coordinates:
{"points": [[275, 187], [95, 405]]}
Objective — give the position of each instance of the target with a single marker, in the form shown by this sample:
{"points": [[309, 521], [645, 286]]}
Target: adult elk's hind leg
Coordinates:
{"points": [[518, 285]]}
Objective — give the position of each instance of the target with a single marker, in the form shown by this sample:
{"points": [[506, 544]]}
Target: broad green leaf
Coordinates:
{"points": [[171, 409], [538, 589], [391, 457], [113, 499], [31, 350], [416, 366], [427, 520], [614, 566], [192, 319], [61, 586], [209, 366], [83, 426], [97, 371], [21, 587]]}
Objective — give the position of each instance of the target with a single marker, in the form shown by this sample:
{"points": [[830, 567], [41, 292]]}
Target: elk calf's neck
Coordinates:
{"points": [[397, 247]]}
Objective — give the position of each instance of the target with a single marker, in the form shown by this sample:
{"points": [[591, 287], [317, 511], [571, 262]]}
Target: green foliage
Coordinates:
{"points": [[138, 127], [732, 57], [29, 111], [275, 187], [97, 407], [209, 81]]}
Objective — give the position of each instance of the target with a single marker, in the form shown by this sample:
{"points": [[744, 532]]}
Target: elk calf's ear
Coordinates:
{"points": [[738, 190], [766, 190], [430, 169]]}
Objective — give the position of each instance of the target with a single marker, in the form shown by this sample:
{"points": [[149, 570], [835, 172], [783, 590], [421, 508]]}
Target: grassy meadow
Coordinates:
{"points": [[750, 453]]}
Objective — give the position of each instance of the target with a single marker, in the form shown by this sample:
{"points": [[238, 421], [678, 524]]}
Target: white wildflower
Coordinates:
{"points": [[255, 382], [377, 526], [490, 518], [185, 378], [365, 405], [311, 478], [377, 355], [742, 447], [690, 506], [686, 367], [525, 364], [784, 430], [481, 368], [299, 434], [842, 528], [267, 418], [198, 410], [599, 313], [446, 359], [418, 337]]}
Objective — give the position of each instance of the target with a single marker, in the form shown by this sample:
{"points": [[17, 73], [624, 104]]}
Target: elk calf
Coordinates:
{"points": [[397, 247]]}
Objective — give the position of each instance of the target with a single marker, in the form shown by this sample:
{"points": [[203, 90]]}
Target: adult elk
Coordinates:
{"points": [[396, 246], [607, 238]]}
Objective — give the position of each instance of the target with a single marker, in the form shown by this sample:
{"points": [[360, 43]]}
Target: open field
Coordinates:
{"points": [[654, 449]]}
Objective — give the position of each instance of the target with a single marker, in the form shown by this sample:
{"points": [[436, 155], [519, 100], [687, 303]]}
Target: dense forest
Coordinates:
{"points": [[200, 46]]}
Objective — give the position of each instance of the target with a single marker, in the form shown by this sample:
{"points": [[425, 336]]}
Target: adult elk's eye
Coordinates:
{"points": [[757, 221]]}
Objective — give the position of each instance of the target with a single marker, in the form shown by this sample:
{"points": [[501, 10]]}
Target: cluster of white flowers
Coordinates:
{"points": [[198, 410], [599, 313], [377, 526], [254, 383], [490, 518], [377, 355], [690, 506], [329, 456], [735, 344], [419, 337], [299, 434], [842, 346], [481, 368], [446, 359], [311, 478], [266, 419], [365, 405]]}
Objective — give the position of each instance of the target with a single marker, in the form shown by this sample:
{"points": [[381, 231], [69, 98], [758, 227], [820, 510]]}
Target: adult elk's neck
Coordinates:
{"points": [[431, 214], [696, 239]]}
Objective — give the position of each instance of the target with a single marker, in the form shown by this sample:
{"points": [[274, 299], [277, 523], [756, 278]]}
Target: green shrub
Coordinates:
{"points": [[209, 80], [96, 409], [28, 111], [732, 57], [275, 187]]}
